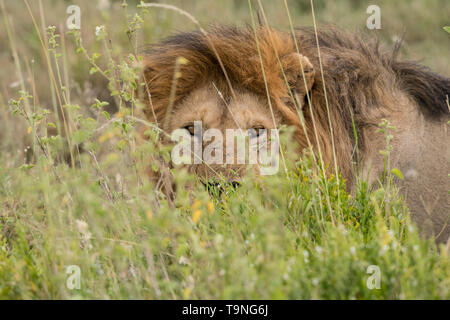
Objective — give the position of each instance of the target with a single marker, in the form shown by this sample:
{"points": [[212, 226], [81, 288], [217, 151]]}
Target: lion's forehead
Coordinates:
{"points": [[244, 110]]}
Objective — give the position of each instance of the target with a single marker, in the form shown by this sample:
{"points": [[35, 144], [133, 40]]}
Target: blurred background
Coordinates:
{"points": [[420, 22]]}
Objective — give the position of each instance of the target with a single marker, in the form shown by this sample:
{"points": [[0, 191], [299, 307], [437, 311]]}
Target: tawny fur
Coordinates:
{"points": [[362, 85]]}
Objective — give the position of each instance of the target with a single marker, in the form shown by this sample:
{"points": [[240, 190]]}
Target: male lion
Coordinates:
{"points": [[246, 78]]}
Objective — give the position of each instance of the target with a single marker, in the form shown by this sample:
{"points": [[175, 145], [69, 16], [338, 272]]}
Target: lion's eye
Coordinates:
{"points": [[190, 129], [256, 131]]}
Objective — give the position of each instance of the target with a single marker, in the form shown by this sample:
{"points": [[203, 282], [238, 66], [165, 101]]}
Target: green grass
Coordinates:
{"points": [[271, 239], [73, 189]]}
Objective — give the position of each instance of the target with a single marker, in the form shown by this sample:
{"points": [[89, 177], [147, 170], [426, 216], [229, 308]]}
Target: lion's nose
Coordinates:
{"points": [[217, 188], [235, 184]]}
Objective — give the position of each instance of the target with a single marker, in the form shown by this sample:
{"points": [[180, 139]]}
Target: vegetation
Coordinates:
{"points": [[73, 188]]}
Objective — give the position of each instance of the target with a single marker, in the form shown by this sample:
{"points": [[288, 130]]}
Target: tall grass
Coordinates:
{"points": [[80, 196]]}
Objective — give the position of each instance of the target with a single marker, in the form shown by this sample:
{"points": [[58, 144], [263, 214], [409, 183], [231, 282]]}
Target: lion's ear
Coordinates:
{"points": [[299, 82]]}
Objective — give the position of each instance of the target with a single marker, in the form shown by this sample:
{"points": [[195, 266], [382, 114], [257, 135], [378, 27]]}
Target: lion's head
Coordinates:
{"points": [[225, 80], [333, 87]]}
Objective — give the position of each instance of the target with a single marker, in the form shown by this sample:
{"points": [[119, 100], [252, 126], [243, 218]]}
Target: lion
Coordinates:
{"points": [[334, 87]]}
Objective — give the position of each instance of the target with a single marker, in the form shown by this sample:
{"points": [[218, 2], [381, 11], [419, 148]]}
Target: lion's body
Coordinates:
{"points": [[420, 150], [362, 86]]}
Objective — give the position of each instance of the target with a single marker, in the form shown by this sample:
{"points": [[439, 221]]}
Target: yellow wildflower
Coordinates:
{"points": [[196, 215]]}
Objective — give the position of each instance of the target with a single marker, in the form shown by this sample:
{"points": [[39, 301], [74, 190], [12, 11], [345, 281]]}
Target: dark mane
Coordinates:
{"points": [[356, 60], [362, 80], [429, 89]]}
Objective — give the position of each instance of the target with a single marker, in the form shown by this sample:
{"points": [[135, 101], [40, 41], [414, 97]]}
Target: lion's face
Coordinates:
{"points": [[226, 81], [231, 78], [206, 115]]}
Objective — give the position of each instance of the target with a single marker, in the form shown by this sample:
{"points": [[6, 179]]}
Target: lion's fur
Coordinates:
{"points": [[361, 85]]}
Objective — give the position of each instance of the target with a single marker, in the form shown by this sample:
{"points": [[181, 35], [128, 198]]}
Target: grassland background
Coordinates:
{"points": [[274, 239]]}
